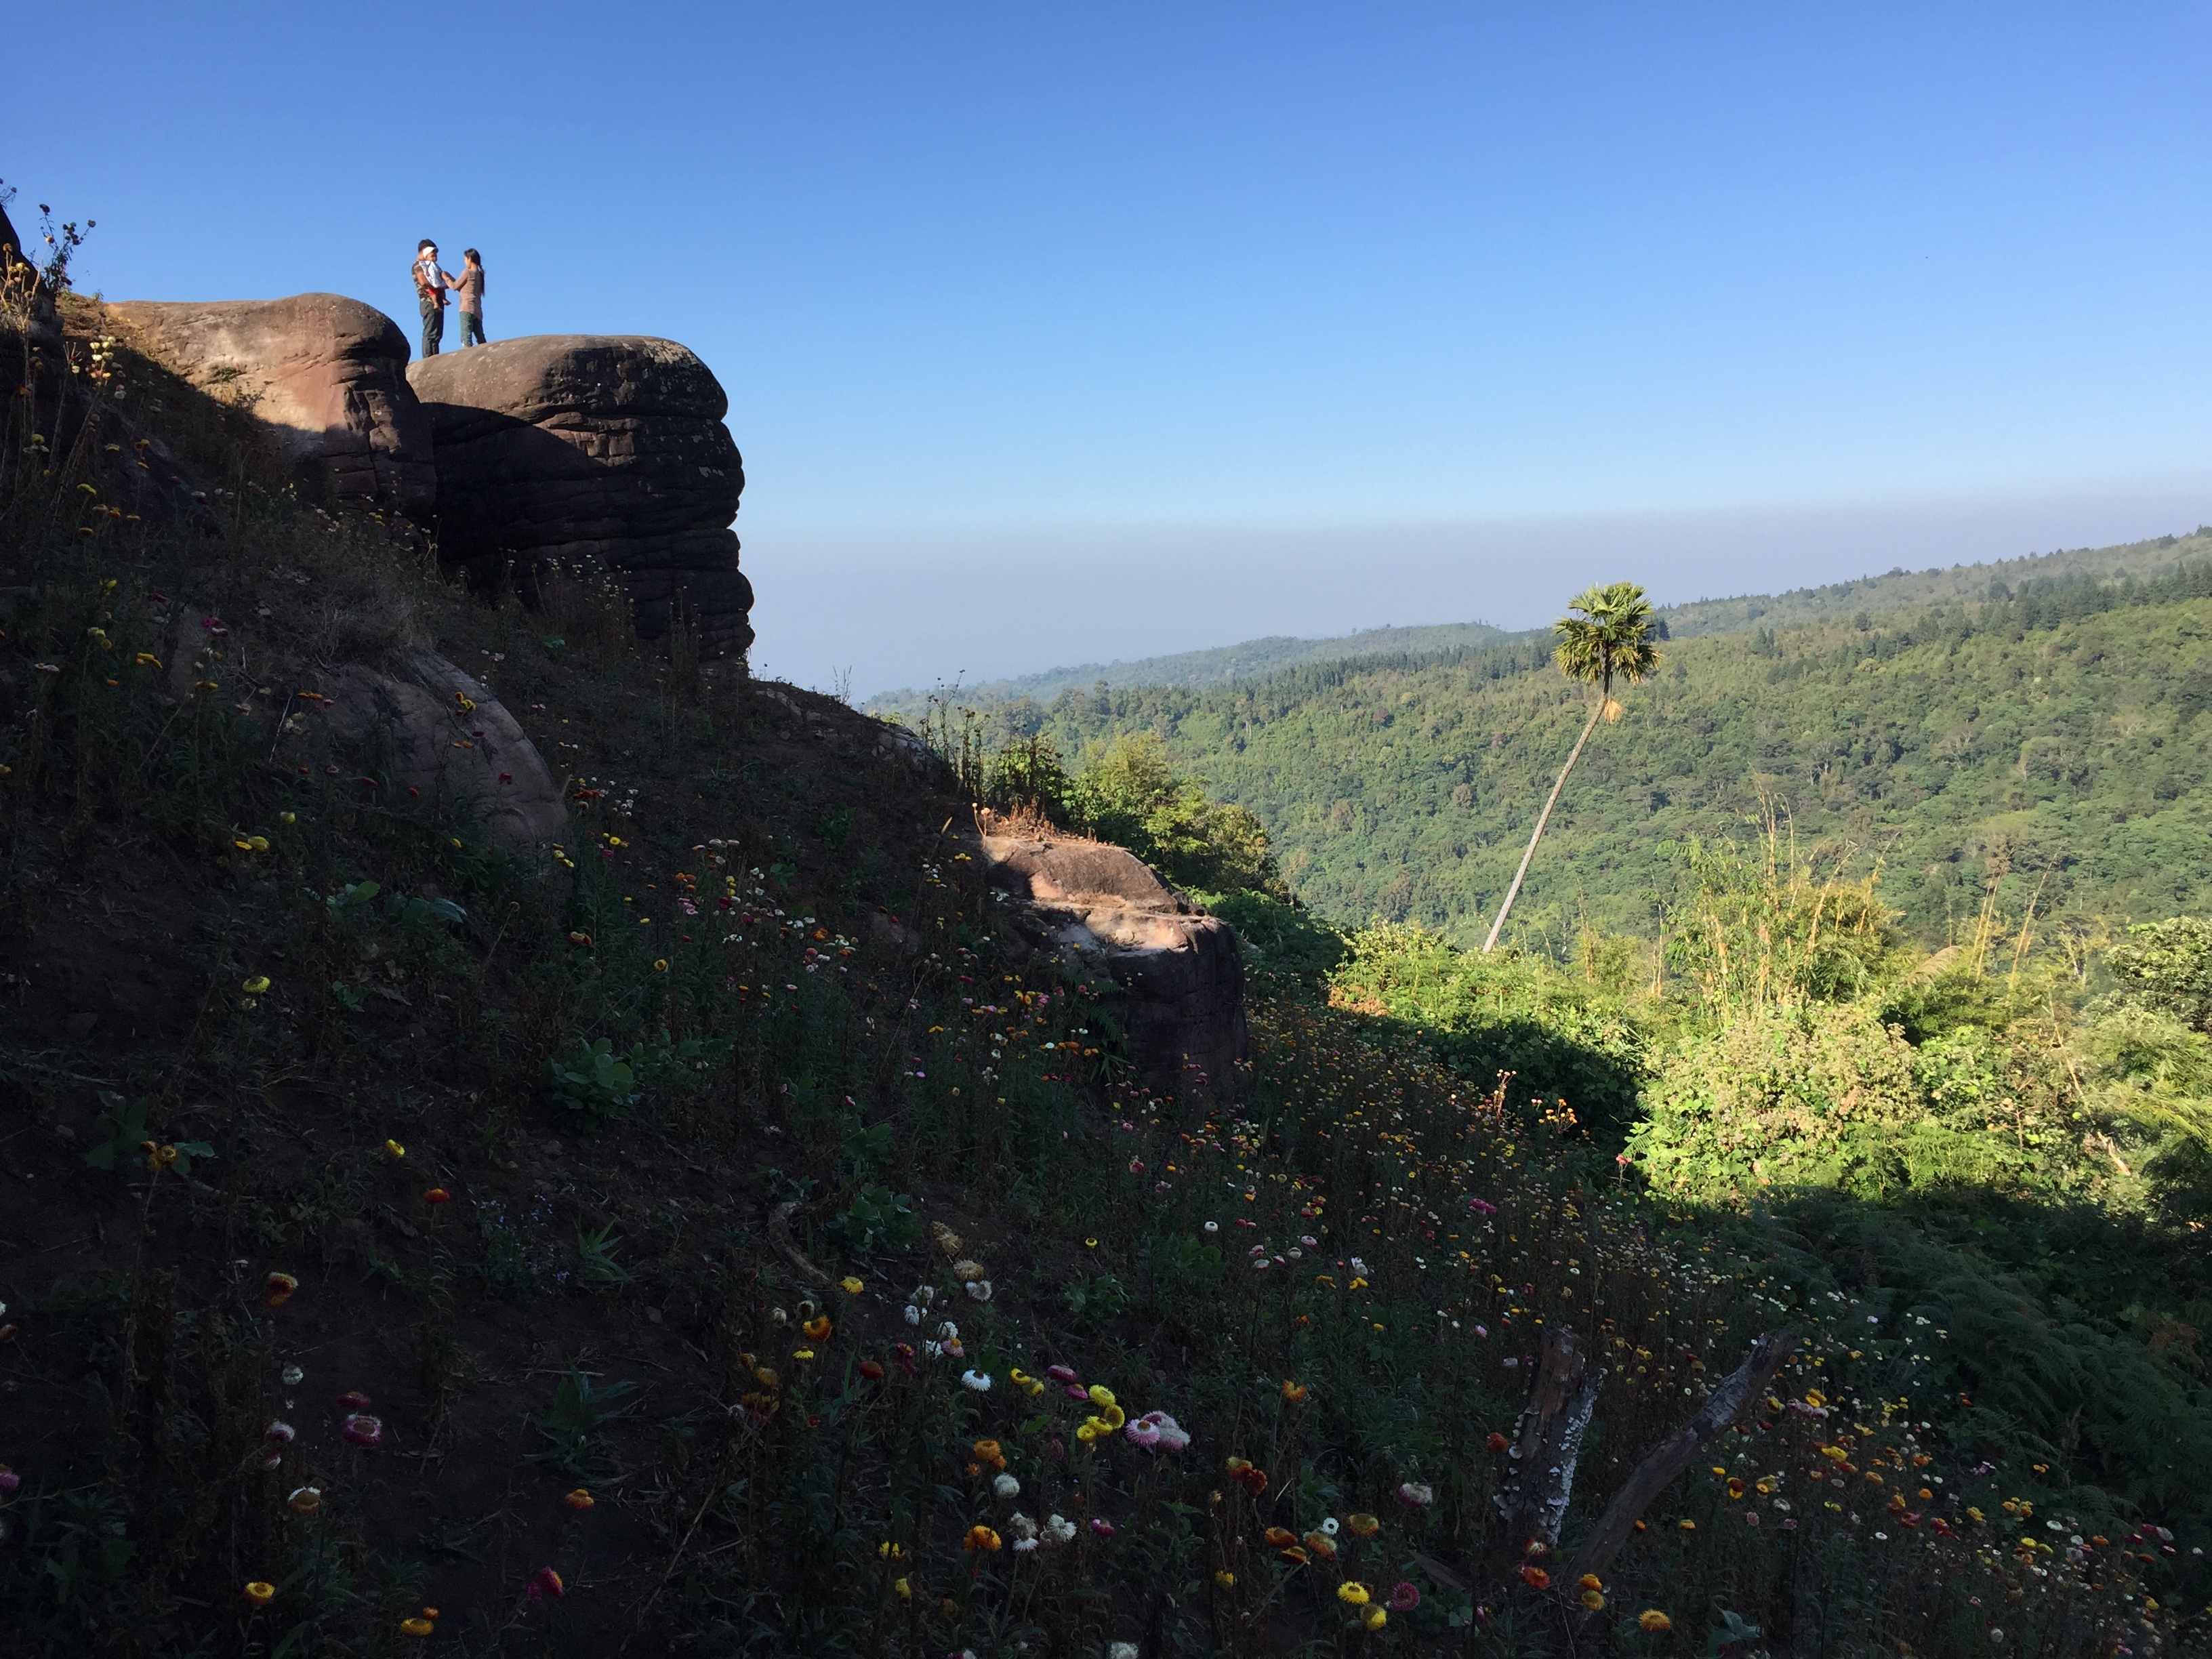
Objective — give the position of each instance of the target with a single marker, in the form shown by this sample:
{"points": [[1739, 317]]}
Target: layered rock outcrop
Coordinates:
{"points": [[561, 449], [1181, 972], [325, 375]]}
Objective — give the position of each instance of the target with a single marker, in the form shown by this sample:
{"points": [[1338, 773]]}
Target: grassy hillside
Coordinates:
{"points": [[2049, 749], [682, 1239]]}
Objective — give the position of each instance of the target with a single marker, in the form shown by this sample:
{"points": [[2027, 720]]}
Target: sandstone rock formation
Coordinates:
{"points": [[1182, 971], [428, 726], [326, 374], [561, 448]]}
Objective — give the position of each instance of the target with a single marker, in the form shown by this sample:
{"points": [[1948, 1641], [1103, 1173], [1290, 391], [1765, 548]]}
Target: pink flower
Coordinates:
{"points": [[1077, 1391], [1059, 1373], [363, 1430], [9, 1480], [545, 1583], [1415, 1496], [1158, 1429], [1102, 1527], [1404, 1598], [1481, 1207]]}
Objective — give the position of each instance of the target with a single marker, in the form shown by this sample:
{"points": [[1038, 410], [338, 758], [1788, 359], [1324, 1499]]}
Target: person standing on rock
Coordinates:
{"points": [[431, 286], [471, 289]]}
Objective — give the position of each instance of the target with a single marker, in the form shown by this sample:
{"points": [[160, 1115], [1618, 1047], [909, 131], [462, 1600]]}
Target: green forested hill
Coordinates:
{"points": [[2052, 748]]}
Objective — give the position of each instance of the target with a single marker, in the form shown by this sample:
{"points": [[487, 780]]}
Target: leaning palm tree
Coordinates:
{"points": [[1610, 640]]}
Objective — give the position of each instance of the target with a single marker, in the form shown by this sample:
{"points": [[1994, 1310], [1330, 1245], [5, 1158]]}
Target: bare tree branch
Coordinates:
{"points": [[1560, 1401], [1726, 1404]]}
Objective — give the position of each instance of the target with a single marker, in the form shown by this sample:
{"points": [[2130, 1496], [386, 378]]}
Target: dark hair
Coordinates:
{"points": [[470, 254], [425, 242]]}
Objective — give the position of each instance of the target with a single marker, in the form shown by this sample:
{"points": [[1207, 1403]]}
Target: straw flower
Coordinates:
{"points": [[1653, 1621], [978, 1381], [578, 1500], [850, 1285], [437, 1195], [306, 1500], [1007, 1486], [1354, 1594], [1363, 1524], [1322, 1545], [991, 1452], [545, 1582], [281, 1286], [1375, 1619], [818, 1327], [979, 1537], [1293, 1392], [1535, 1577], [417, 1628], [1404, 1596], [259, 1593], [256, 986], [363, 1430], [1415, 1496], [1594, 1600]]}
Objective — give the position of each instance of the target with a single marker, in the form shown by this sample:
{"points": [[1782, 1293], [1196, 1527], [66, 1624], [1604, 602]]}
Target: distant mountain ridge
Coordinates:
{"points": [[1257, 659]]}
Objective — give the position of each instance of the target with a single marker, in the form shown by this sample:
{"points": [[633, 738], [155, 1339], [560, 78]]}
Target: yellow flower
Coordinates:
{"points": [[1591, 1581], [147, 659], [1353, 1592], [802, 1353], [393, 1149], [851, 1286], [1375, 1619], [1594, 1600], [1653, 1621], [979, 1537], [288, 817], [417, 1628], [260, 1594], [578, 1500], [818, 1327], [1363, 1525], [1293, 1391], [1089, 1430], [1226, 1579], [1688, 1526], [660, 964], [256, 986], [905, 1590], [1101, 1395]]}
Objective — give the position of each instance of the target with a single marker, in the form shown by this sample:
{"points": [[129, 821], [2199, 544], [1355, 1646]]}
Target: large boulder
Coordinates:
{"points": [[563, 450], [430, 731], [327, 375], [1180, 971]]}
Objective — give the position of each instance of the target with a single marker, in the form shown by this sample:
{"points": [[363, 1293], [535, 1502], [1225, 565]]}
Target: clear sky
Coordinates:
{"points": [[1061, 331]]}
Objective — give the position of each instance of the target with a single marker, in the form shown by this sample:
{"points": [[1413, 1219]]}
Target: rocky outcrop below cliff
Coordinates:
{"points": [[1102, 910], [568, 449]]}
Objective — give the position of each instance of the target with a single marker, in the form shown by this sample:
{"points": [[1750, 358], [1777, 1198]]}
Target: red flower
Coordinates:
{"points": [[872, 1370], [1535, 1577], [545, 1582], [1496, 1441]]}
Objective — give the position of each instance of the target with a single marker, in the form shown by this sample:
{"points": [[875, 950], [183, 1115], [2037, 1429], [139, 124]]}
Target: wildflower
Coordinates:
{"points": [[660, 964], [1294, 1555], [306, 1500], [1653, 1621], [417, 1626], [818, 1328], [256, 986], [1120, 1650], [1688, 1525], [851, 1286], [1158, 1429], [1320, 1544], [990, 1451], [545, 1582], [1058, 1530], [1415, 1496], [979, 1381], [147, 659], [260, 1594], [1735, 1487], [872, 1370], [1007, 1486], [1496, 1441], [363, 1430], [913, 1314], [437, 1195], [1060, 1374], [1404, 1597], [283, 1433], [1213, 1226], [9, 1480], [1099, 1394], [281, 1286], [1293, 1392], [1355, 1594], [979, 1537], [1226, 1579], [1535, 1577], [578, 1500], [1363, 1524], [1594, 1600], [1022, 1380], [1102, 1527]]}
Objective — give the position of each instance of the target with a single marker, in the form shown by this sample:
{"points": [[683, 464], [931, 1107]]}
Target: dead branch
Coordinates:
{"points": [[1565, 1393], [1726, 1404], [779, 1234]]}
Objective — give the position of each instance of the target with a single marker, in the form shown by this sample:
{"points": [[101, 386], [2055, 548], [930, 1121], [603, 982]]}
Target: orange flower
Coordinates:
{"points": [[1363, 1524], [578, 1500], [979, 1537], [990, 1451], [1293, 1392], [818, 1328], [437, 1195], [1295, 1556], [1535, 1578], [281, 1286], [1281, 1538], [1322, 1545], [1496, 1441], [1653, 1621]]}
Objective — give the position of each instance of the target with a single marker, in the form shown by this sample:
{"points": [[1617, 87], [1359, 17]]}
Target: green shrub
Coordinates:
{"points": [[592, 1085]]}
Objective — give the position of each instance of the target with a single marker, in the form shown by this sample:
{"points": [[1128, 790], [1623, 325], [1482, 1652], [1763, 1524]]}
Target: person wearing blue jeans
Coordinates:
{"points": [[471, 289], [431, 286]]}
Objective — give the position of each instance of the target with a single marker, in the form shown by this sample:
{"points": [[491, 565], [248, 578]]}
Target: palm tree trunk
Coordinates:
{"points": [[1544, 818]]}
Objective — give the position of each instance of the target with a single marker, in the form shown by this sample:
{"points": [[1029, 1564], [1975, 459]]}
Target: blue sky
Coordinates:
{"points": [[1058, 332]]}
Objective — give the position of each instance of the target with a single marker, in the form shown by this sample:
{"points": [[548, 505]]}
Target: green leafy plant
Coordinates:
{"points": [[593, 1085], [122, 1136], [574, 1427], [877, 1218], [595, 1265]]}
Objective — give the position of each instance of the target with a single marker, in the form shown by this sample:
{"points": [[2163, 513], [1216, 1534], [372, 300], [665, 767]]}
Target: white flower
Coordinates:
{"points": [[979, 1381], [1329, 1526], [1213, 1226], [1021, 1526], [1058, 1530], [979, 1290], [923, 1295], [1120, 1650], [913, 1314], [1023, 1546], [1357, 1266], [948, 1332], [1007, 1486]]}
